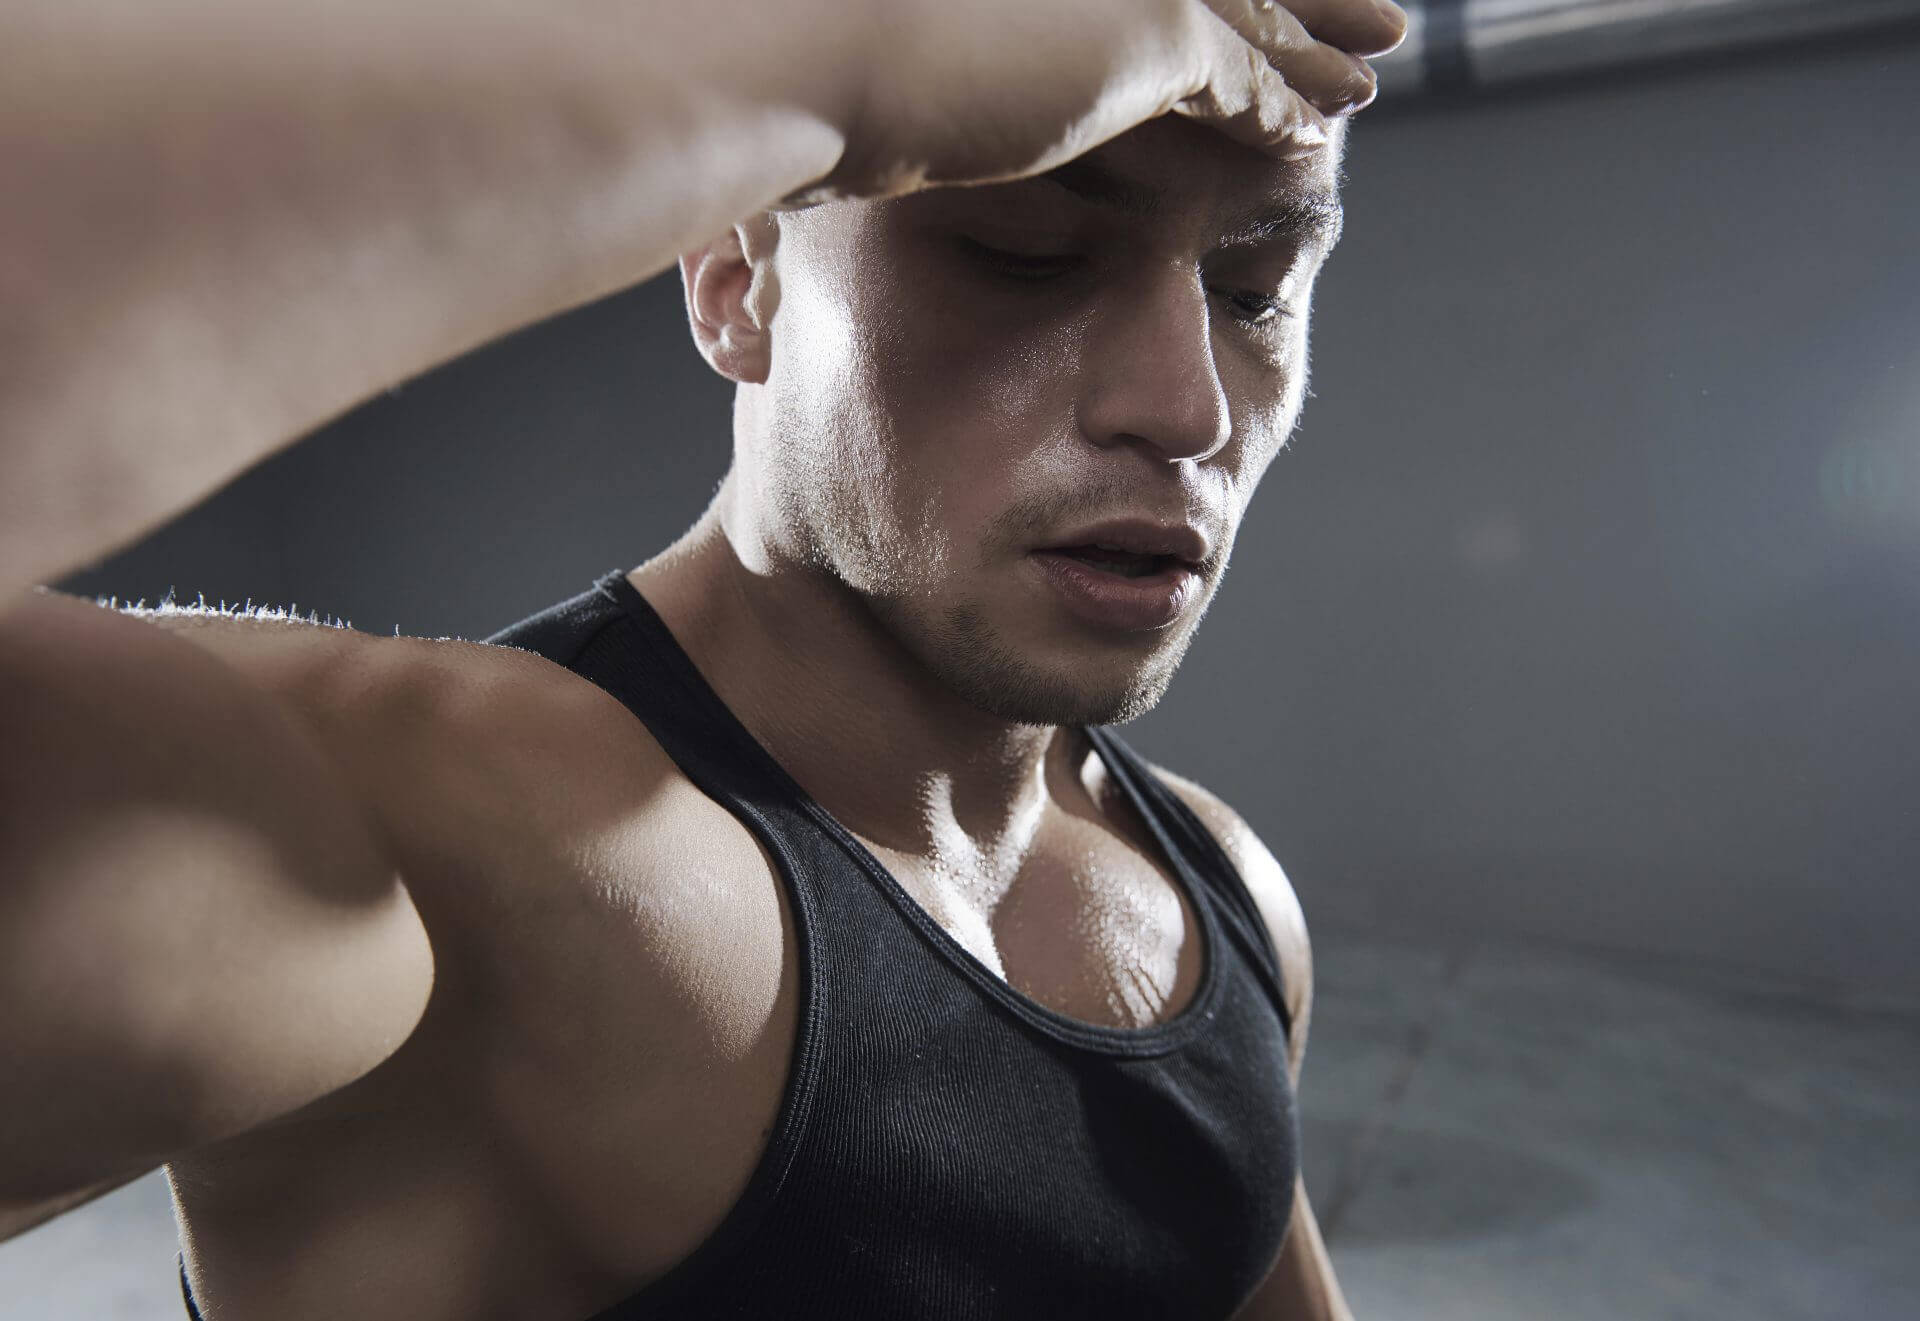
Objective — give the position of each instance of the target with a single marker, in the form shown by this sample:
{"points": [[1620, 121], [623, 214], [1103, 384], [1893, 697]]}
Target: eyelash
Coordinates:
{"points": [[1250, 308]]}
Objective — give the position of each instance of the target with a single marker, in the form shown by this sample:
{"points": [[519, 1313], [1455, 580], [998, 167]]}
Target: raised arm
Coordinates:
{"points": [[221, 224], [200, 927], [225, 223]]}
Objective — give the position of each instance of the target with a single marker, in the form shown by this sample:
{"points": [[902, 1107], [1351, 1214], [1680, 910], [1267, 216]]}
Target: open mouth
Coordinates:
{"points": [[1130, 583], [1125, 563]]}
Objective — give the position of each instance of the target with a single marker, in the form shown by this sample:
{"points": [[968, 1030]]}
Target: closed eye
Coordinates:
{"points": [[1248, 307], [1252, 308], [1023, 265]]}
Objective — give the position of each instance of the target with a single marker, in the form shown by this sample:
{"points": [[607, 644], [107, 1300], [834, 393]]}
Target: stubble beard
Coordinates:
{"points": [[961, 649], [896, 577]]}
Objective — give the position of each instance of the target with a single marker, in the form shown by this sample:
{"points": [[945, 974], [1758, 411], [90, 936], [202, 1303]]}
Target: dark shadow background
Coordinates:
{"points": [[1586, 607]]}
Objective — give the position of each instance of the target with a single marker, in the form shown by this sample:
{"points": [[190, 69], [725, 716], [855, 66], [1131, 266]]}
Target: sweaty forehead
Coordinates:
{"points": [[1179, 157], [1172, 172], [1168, 174]]}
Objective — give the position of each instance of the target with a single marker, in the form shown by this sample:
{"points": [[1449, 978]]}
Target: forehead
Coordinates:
{"points": [[1173, 161], [1173, 174]]}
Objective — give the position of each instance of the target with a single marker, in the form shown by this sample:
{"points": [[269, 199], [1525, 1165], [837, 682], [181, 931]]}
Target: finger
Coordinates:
{"points": [[1358, 27], [1249, 100], [1333, 81]]}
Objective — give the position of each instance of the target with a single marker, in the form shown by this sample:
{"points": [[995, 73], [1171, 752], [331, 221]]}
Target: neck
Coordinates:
{"points": [[855, 719]]}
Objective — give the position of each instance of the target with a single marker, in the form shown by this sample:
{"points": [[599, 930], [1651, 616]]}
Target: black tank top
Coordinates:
{"points": [[946, 1148]]}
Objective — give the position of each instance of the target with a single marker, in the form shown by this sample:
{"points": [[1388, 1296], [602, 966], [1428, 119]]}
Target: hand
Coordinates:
{"points": [[974, 91]]}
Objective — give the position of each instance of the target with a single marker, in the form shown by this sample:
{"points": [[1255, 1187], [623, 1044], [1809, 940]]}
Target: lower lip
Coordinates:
{"points": [[1112, 601]]}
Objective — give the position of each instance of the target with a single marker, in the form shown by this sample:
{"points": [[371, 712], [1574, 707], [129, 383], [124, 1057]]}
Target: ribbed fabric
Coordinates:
{"points": [[947, 1149]]}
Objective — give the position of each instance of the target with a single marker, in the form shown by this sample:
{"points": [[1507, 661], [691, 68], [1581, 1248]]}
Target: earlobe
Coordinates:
{"points": [[731, 296]]}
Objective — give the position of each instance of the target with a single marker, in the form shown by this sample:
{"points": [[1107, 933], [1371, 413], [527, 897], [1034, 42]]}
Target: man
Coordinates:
{"points": [[856, 975]]}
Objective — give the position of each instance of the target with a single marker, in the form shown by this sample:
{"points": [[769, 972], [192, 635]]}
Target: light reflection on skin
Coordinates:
{"points": [[929, 414], [922, 421]]}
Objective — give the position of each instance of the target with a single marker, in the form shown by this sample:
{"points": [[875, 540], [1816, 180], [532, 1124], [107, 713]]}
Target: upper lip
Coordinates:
{"points": [[1139, 536]]}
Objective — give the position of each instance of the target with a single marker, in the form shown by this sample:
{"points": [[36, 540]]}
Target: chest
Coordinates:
{"points": [[1084, 922], [610, 1066], [949, 1145], [677, 1069], [672, 1004]]}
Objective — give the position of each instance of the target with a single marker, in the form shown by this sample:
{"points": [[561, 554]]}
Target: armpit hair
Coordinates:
{"points": [[169, 610]]}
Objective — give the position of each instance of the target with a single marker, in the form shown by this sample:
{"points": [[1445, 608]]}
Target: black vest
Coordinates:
{"points": [[946, 1148]]}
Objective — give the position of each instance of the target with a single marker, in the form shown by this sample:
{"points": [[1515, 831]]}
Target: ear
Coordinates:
{"points": [[732, 292]]}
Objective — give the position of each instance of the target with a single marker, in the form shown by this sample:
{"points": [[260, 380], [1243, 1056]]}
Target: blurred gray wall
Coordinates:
{"points": [[1586, 606]]}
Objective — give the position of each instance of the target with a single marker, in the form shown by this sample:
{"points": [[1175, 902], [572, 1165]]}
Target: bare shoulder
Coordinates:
{"points": [[184, 877], [568, 873], [1271, 890], [441, 735], [524, 807], [524, 803], [330, 668]]}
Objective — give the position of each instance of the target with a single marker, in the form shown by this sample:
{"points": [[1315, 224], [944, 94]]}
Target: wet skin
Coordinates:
{"points": [[907, 585], [614, 1002], [961, 377]]}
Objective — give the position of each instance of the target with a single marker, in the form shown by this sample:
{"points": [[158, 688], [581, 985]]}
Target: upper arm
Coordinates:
{"points": [[1301, 1283], [199, 927], [1272, 894]]}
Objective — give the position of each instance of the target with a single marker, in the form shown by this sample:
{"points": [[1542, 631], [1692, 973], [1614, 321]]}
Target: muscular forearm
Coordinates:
{"points": [[226, 223]]}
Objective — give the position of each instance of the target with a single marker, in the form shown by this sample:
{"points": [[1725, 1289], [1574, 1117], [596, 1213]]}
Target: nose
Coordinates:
{"points": [[1148, 376]]}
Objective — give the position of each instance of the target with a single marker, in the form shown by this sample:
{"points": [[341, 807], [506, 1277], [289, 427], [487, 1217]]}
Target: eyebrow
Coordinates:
{"points": [[1094, 182], [1300, 216]]}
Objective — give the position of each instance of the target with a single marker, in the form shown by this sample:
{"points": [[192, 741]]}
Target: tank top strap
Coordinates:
{"points": [[935, 1122], [613, 637], [1205, 865]]}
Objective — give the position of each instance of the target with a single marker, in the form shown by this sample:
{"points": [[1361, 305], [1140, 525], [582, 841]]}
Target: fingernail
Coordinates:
{"points": [[1361, 86], [1396, 19]]}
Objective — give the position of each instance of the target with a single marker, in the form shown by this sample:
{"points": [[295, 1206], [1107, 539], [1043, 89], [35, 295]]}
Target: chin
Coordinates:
{"points": [[1034, 697], [986, 670]]}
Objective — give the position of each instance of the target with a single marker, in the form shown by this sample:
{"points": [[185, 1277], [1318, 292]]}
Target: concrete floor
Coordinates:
{"points": [[1491, 1133]]}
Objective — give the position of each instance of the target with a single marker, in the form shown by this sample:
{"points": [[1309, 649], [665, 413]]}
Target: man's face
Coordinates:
{"points": [[1022, 422]]}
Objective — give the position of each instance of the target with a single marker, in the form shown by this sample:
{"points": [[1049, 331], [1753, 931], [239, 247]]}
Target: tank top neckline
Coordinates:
{"points": [[1152, 1039]]}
